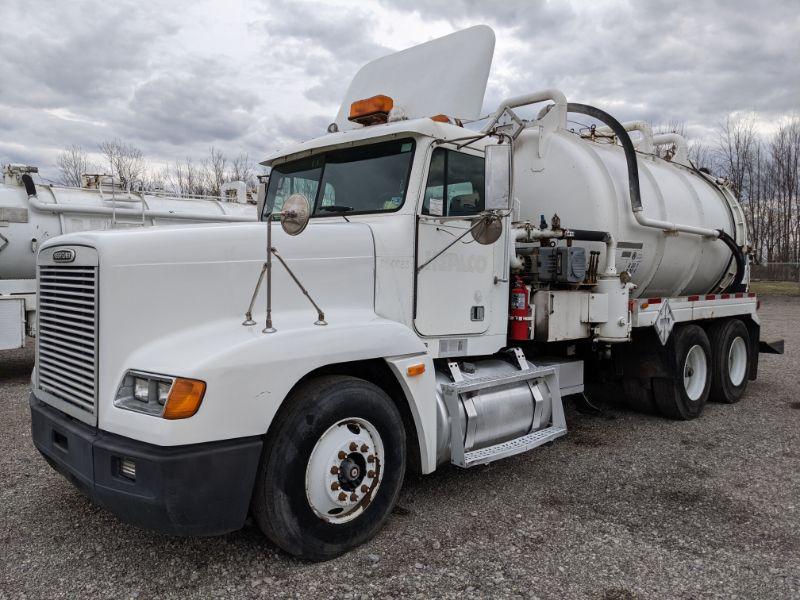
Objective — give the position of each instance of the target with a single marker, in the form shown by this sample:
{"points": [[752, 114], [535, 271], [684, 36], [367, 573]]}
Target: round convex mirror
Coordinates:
{"points": [[295, 214], [488, 230]]}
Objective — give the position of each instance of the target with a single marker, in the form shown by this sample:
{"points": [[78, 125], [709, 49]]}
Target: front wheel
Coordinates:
{"points": [[332, 468]]}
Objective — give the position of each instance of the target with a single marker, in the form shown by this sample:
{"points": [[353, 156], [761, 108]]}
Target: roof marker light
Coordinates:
{"points": [[371, 111]]}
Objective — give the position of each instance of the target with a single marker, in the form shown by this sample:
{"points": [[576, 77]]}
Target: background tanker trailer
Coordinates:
{"points": [[31, 214], [436, 290]]}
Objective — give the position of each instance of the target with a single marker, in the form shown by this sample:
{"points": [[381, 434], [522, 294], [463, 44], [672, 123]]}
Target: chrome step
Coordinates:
{"points": [[512, 447]]}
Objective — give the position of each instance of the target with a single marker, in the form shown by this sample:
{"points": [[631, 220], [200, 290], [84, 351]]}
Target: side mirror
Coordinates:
{"points": [[261, 197], [497, 194]]}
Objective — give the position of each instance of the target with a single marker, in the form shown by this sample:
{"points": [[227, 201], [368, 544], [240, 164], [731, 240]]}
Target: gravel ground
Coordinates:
{"points": [[626, 506]]}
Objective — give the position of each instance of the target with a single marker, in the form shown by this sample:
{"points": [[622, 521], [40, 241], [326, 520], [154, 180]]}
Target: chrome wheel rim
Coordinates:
{"points": [[695, 372], [344, 470], [737, 361]]}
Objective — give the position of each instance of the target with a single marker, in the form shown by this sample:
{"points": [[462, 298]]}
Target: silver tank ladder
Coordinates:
{"points": [[529, 373], [127, 199]]}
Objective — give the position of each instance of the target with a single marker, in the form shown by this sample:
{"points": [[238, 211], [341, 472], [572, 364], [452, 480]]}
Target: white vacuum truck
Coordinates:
{"points": [[418, 293], [29, 219]]}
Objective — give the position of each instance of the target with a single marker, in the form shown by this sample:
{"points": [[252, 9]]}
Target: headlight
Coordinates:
{"points": [[160, 395]]}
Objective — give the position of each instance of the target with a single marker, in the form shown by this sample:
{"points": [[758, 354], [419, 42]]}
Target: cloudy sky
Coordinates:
{"points": [[176, 77]]}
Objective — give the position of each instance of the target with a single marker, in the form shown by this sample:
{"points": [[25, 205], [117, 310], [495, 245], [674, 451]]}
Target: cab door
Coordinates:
{"points": [[453, 291]]}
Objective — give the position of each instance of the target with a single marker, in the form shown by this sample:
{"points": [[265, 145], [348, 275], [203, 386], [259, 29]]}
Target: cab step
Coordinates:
{"points": [[516, 446]]}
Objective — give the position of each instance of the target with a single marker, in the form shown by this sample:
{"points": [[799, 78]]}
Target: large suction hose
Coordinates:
{"points": [[636, 198]]}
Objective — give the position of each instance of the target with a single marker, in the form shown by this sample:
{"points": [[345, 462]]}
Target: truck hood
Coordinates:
{"points": [[159, 285]]}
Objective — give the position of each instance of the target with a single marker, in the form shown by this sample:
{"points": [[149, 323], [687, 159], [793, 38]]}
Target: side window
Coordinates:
{"points": [[455, 184]]}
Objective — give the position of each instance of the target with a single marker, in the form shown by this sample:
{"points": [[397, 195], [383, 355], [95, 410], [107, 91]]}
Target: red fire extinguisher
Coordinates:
{"points": [[519, 314]]}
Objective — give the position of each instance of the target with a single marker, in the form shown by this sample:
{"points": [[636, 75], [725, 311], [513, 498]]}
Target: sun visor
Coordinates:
{"points": [[446, 76]]}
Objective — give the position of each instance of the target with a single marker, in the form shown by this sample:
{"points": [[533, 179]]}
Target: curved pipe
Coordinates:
{"points": [[635, 192], [736, 285], [555, 95], [640, 126], [33, 198], [681, 146]]}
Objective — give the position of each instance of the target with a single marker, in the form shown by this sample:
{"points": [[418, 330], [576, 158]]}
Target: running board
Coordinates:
{"points": [[458, 394], [516, 446]]}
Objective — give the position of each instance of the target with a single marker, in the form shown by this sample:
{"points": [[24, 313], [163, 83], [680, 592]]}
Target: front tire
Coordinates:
{"points": [[731, 350], [332, 468]]}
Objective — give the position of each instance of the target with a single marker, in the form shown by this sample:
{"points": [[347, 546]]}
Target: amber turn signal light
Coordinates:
{"points": [[415, 370], [441, 119], [184, 398], [371, 111]]}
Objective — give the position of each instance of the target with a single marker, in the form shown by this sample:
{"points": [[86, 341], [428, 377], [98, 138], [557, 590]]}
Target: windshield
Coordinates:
{"points": [[365, 179]]}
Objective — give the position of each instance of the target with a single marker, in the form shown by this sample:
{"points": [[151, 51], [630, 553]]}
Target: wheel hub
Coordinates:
{"points": [[695, 372], [344, 470]]}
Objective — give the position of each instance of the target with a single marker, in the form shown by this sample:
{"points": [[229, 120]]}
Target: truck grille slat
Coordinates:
{"points": [[67, 338], [72, 331], [69, 299], [59, 349], [52, 306], [52, 315], [69, 362]]}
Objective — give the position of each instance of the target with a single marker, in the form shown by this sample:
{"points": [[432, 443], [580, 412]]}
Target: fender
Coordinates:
{"points": [[249, 374]]}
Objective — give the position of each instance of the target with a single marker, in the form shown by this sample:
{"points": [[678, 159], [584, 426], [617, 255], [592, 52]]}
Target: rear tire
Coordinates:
{"points": [[731, 358], [332, 468], [683, 396]]}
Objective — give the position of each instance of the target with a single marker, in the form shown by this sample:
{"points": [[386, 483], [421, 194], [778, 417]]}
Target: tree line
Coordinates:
{"points": [[129, 167]]}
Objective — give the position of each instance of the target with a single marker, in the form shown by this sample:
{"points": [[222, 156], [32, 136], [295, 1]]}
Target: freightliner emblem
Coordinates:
{"points": [[64, 256]]}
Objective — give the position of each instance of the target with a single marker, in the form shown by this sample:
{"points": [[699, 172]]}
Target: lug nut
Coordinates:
{"points": [[335, 486], [364, 447], [342, 455], [334, 470], [370, 459], [353, 446], [371, 474], [342, 496], [353, 497], [364, 489]]}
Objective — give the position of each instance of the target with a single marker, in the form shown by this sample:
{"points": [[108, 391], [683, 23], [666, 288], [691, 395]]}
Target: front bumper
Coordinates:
{"points": [[201, 489]]}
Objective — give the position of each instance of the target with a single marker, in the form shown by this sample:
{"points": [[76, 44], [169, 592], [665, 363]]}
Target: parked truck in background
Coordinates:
{"points": [[450, 288], [27, 220]]}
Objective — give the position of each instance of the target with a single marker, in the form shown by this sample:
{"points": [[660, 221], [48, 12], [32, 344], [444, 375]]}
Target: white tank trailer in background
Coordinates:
{"points": [[31, 214], [431, 293]]}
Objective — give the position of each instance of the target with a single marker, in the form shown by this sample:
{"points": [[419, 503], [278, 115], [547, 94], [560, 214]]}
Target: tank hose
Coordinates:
{"points": [[627, 146], [633, 183], [30, 186], [736, 285]]}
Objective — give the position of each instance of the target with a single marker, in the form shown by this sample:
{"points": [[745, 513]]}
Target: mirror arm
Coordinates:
{"points": [[451, 244]]}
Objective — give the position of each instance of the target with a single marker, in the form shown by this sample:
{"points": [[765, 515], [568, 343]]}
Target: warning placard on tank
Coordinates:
{"points": [[629, 256]]}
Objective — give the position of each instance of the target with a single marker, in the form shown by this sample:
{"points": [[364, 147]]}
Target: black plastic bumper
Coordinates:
{"points": [[201, 489]]}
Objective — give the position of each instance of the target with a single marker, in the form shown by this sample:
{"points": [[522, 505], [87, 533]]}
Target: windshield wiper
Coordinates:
{"points": [[338, 209]]}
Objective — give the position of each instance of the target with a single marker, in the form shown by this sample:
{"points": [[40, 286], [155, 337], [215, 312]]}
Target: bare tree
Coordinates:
{"points": [[72, 163], [242, 170], [126, 161], [216, 166]]}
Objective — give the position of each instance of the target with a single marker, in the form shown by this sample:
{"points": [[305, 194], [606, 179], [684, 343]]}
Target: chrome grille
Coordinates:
{"points": [[67, 337]]}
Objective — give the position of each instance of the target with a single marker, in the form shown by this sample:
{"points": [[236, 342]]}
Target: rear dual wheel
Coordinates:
{"points": [[730, 341], [684, 395]]}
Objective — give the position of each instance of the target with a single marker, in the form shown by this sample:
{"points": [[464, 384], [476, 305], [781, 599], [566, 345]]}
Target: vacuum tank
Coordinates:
{"points": [[28, 219], [585, 182]]}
